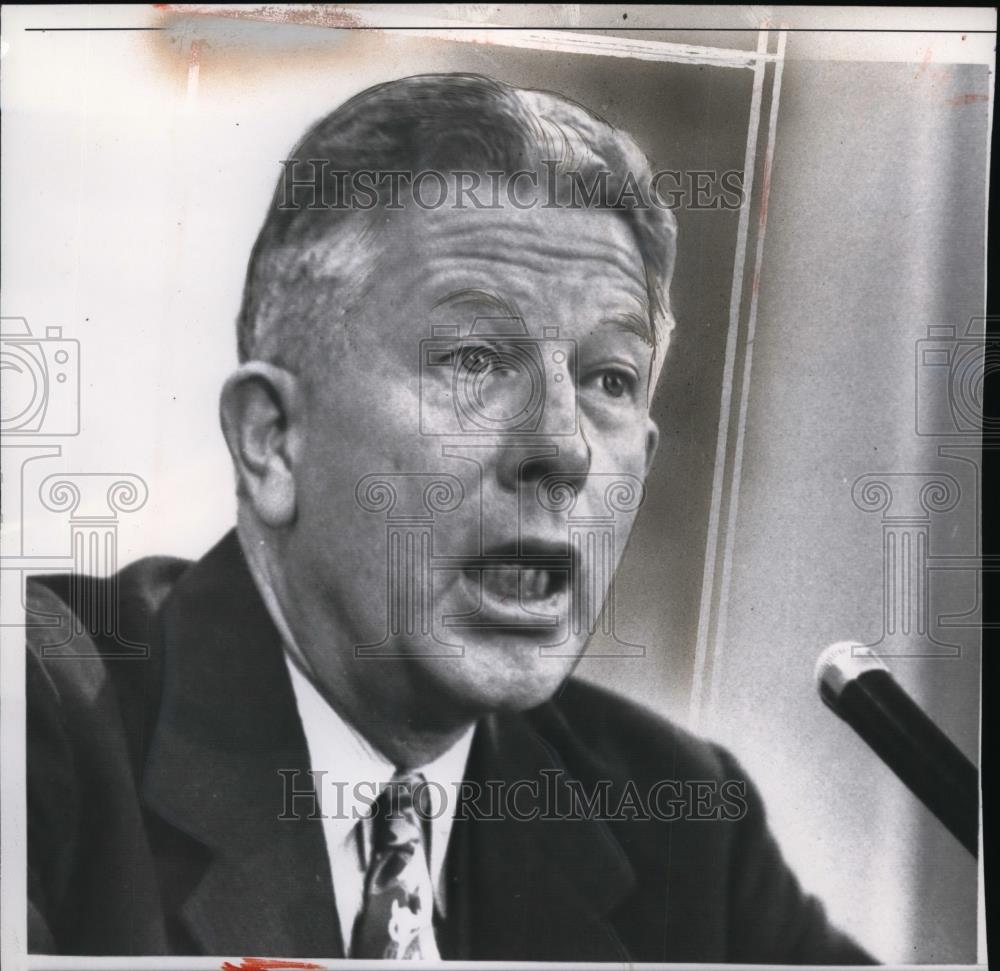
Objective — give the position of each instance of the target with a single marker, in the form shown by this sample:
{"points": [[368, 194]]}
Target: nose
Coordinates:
{"points": [[559, 443], [525, 461]]}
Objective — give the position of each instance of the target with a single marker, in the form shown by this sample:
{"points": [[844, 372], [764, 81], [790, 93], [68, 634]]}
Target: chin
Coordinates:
{"points": [[510, 686], [524, 697]]}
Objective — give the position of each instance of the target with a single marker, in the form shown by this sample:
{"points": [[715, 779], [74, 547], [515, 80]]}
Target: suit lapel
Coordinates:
{"points": [[529, 889], [227, 724], [539, 889]]}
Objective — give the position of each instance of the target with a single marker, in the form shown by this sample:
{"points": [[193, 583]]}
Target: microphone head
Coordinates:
{"points": [[840, 664]]}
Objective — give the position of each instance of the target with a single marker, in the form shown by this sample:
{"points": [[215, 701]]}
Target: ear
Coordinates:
{"points": [[652, 443], [262, 414]]}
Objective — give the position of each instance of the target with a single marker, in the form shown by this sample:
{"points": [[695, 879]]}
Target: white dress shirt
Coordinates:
{"points": [[354, 774]]}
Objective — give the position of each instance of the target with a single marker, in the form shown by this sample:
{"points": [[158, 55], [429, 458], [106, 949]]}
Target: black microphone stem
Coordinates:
{"points": [[857, 686]]}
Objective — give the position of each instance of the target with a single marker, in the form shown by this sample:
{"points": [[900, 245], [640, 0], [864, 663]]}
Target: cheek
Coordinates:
{"points": [[621, 450], [367, 417], [618, 487]]}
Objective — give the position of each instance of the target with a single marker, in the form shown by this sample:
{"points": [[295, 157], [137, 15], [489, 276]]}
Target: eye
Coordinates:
{"points": [[486, 359], [614, 383]]}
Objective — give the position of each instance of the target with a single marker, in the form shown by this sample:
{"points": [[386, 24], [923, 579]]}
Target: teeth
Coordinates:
{"points": [[515, 585], [535, 583], [501, 583]]}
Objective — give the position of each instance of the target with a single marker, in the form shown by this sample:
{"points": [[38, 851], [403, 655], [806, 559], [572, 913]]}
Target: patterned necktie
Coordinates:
{"points": [[397, 919]]}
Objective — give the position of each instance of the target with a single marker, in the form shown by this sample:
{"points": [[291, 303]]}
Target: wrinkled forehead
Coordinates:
{"points": [[529, 249], [574, 268], [570, 268]]}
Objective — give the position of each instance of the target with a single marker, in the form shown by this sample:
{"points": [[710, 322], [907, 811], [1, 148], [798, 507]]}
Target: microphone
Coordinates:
{"points": [[858, 687]]}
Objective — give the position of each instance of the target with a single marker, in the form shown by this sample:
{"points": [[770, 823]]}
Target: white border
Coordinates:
{"points": [[387, 20]]}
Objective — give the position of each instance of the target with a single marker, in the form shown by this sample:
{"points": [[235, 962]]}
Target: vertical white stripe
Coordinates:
{"points": [[734, 489], [718, 479]]}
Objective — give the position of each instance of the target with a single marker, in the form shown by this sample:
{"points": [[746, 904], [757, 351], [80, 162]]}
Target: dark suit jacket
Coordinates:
{"points": [[154, 802]]}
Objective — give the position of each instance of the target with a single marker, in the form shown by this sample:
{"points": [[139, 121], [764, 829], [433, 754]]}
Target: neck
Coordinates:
{"points": [[391, 714], [412, 750]]}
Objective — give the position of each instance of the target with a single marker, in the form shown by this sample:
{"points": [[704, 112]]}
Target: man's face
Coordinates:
{"points": [[462, 500]]}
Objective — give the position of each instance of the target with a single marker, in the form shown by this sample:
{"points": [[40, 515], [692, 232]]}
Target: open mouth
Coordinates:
{"points": [[529, 571], [526, 585], [520, 578]]}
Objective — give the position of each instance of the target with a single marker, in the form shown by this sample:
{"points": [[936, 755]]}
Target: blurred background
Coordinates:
{"points": [[801, 418]]}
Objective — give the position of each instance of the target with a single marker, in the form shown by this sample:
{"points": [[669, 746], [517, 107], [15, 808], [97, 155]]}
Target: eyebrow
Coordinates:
{"points": [[633, 323], [629, 321], [486, 298]]}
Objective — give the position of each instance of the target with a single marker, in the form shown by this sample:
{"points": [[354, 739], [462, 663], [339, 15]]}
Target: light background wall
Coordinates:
{"points": [[135, 178]]}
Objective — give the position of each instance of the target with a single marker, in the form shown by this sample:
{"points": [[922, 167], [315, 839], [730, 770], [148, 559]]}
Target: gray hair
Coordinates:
{"points": [[446, 123]]}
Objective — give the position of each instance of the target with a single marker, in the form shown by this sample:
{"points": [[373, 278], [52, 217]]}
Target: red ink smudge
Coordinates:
{"points": [[923, 64], [967, 99], [317, 15], [270, 964]]}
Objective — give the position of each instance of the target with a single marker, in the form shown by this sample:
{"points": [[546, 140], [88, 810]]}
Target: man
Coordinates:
{"points": [[355, 733]]}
